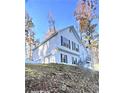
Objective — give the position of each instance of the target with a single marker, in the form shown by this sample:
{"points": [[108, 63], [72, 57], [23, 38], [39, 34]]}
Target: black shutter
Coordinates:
{"points": [[61, 57], [61, 40]]}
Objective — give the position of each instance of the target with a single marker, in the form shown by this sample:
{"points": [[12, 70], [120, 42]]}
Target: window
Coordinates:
{"points": [[52, 59], [46, 60], [65, 42], [75, 46], [64, 58], [74, 60]]}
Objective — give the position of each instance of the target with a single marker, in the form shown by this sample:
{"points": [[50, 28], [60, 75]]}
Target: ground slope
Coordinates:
{"points": [[58, 78]]}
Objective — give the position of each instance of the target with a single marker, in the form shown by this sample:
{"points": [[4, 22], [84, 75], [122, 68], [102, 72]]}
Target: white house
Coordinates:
{"points": [[63, 46]]}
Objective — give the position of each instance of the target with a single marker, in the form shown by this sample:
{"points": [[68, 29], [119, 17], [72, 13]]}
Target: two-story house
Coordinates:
{"points": [[63, 46]]}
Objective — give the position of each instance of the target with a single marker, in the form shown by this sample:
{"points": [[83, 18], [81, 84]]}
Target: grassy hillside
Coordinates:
{"points": [[58, 78]]}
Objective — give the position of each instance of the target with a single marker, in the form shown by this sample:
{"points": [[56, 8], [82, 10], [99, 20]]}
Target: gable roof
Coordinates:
{"points": [[54, 34]]}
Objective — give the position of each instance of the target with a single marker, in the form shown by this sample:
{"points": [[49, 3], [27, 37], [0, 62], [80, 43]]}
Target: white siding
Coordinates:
{"points": [[48, 49], [69, 57]]}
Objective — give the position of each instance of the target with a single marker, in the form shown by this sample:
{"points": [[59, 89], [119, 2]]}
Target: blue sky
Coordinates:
{"points": [[62, 11]]}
